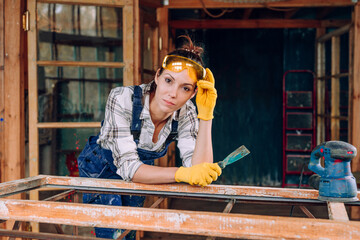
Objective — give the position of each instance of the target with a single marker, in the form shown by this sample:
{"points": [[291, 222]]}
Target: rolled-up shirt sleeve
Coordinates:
{"points": [[115, 133], [187, 133]]}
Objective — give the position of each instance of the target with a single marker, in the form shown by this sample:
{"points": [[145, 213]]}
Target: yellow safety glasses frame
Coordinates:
{"points": [[177, 64]]}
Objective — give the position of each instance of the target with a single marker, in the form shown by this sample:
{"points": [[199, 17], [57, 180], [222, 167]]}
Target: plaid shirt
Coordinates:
{"points": [[115, 133]]}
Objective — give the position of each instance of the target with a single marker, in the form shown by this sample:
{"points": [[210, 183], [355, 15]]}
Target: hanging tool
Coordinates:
{"points": [[236, 155], [335, 181]]}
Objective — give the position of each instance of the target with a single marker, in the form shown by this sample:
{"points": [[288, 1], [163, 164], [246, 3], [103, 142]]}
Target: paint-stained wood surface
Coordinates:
{"points": [[187, 222], [180, 189]]}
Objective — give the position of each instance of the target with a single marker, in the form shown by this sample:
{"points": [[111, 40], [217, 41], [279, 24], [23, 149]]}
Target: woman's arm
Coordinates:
{"points": [[203, 148], [154, 175]]}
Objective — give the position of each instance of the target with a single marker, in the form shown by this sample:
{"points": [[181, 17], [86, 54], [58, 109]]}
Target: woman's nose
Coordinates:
{"points": [[173, 92]]}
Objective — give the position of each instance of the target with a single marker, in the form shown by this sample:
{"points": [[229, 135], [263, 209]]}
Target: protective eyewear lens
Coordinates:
{"points": [[178, 64]]}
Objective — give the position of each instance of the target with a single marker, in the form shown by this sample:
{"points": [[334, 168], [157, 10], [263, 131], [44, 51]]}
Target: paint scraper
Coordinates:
{"points": [[236, 155]]}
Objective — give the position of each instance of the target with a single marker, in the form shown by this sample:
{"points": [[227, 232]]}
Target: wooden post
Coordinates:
{"points": [[320, 69], [137, 43], [13, 163], [355, 118], [335, 88], [2, 92]]}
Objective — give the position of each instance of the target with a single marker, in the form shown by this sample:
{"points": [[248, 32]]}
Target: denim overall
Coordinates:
{"points": [[96, 162]]}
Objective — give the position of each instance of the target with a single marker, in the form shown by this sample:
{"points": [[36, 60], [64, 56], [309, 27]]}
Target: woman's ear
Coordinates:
{"points": [[157, 74], [195, 91]]}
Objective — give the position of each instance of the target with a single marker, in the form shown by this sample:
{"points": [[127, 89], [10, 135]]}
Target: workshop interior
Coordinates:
{"points": [[285, 130]]}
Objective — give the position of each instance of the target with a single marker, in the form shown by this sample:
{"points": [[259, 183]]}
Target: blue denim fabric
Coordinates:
{"points": [[96, 162]]}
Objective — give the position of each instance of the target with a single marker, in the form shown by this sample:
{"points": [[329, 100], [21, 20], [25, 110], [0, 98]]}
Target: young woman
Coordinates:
{"points": [[141, 121]]}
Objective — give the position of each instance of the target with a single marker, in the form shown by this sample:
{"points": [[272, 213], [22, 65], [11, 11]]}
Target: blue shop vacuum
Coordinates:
{"points": [[334, 181]]}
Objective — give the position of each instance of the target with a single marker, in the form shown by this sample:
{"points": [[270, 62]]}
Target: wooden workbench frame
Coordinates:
{"points": [[177, 221]]}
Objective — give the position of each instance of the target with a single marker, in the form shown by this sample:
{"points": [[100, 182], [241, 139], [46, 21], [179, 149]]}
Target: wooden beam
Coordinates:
{"points": [[185, 188], [14, 119], [128, 47], [355, 119], [335, 88], [337, 211], [44, 236], [254, 23], [105, 3], [254, 4], [340, 31], [176, 221], [19, 185], [81, 64], [2, 90]]}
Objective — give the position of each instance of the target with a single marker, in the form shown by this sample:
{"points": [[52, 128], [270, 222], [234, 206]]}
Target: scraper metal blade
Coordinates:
{"points": [[236, 155]]}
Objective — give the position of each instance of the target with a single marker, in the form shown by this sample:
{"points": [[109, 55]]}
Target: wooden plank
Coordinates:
{"points": [[44, 236], [128, 48], [185, 188], [81, 64], [340, 31], [14, 120], [355, 119], [69, 125], [33, 101], [255, 4], [105, 3], [21, 185], [335, 88], [2, 89], [254, 23], [227, 209], [177, 221], [320, 95], [337, 211]]}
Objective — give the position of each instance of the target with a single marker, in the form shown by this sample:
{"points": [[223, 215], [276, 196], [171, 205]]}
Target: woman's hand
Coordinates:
{"points": [[201, 174], [206, 96]]}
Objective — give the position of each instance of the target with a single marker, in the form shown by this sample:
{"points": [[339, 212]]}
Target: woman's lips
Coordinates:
{"points": [[169, 103]]}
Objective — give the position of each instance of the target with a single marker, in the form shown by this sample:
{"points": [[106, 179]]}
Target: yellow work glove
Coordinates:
{"points": [[206, 96], [200, 174]]}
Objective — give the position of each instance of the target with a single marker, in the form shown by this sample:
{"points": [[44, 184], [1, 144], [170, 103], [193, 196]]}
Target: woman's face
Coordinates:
{"points": [[173, 90]]}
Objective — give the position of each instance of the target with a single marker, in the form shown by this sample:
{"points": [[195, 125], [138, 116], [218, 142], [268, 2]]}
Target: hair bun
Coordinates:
{"points": [[190, 47]]}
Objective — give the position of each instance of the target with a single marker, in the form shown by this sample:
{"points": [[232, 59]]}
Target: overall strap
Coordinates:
{"points": [[137, 108]]}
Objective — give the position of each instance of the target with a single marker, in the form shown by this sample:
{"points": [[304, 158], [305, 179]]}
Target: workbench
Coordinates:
{"points": [[212, 224]]}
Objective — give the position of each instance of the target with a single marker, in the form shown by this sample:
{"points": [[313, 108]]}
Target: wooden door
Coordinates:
{"points": [[78, 51]]}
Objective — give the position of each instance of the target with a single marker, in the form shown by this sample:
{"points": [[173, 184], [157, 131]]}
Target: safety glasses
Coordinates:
{"points": [[177, 64]]}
